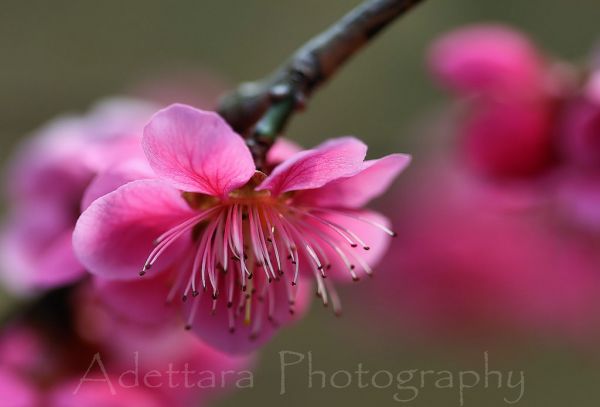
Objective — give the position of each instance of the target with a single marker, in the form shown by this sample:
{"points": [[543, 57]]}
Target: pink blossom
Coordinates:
{"points": [[462, 268], [488, 59], [42, 363], [511, 90], [233, 241], [46, 184], [528, 120], [143, 346]]}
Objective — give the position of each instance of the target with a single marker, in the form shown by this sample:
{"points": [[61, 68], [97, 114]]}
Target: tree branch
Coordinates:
{"points": [[260, 110]]}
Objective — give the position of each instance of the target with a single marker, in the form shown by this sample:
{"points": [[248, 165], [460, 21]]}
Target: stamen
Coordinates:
{"points": [[359, 218], [166, 239], [341, 254], [192, 314], [336, 228], [307, 247], [272, 239], [258, 242], [335, 299], [288, 243]]}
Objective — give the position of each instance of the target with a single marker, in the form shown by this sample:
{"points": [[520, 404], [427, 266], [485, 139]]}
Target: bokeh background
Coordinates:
{"points": [[63, 55]]}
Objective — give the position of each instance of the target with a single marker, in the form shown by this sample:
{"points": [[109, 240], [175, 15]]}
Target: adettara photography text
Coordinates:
{"points": [[302, 369], [406, 384], [172, 376]]}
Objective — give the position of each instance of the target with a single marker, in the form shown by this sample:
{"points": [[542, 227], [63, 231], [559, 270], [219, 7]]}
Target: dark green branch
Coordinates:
{"points": [[270, 102]]}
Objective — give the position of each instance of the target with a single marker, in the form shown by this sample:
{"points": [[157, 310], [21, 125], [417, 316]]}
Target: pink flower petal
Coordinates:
{"points": [[197, 151], [22, 349], [281, 151], [115, 235], [112, 179], [51, 165], [580, 132], [578, 197], [337, 158], [113, 131], [36, 250], [509, 140], [105, 391], [142, 300], [489, 59], [15, 392], [357, 190]]}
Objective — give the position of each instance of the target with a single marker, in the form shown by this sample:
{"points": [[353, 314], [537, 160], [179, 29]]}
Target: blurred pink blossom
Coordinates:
{"points": [[103, 360], [495, 247], [464, 269], [491, 60], [15, 392], [46, 182], [512, 93], [527, 118]]}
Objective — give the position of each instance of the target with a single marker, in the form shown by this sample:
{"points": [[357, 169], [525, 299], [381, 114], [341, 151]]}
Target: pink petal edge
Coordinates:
{"points": [[336, 158], [197, 151]]}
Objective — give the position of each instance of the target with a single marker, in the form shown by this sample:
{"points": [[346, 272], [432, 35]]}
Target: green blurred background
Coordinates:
{"points": [[63, 55]]}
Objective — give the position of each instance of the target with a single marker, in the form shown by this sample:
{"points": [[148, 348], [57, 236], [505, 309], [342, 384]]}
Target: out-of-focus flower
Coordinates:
{"points": [[496, 240], [507, 140], [580, 132], [507, 130], [15, 392], [528, 119], [234, 241], [46, 183], [490, 60], [463, 269], [93, 358]]}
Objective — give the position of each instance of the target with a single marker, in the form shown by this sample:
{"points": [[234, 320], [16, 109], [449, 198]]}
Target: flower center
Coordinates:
{"points": [[240, 245]]}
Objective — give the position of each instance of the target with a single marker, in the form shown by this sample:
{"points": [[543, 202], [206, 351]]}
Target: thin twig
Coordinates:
{"points": [[260, 110]]}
